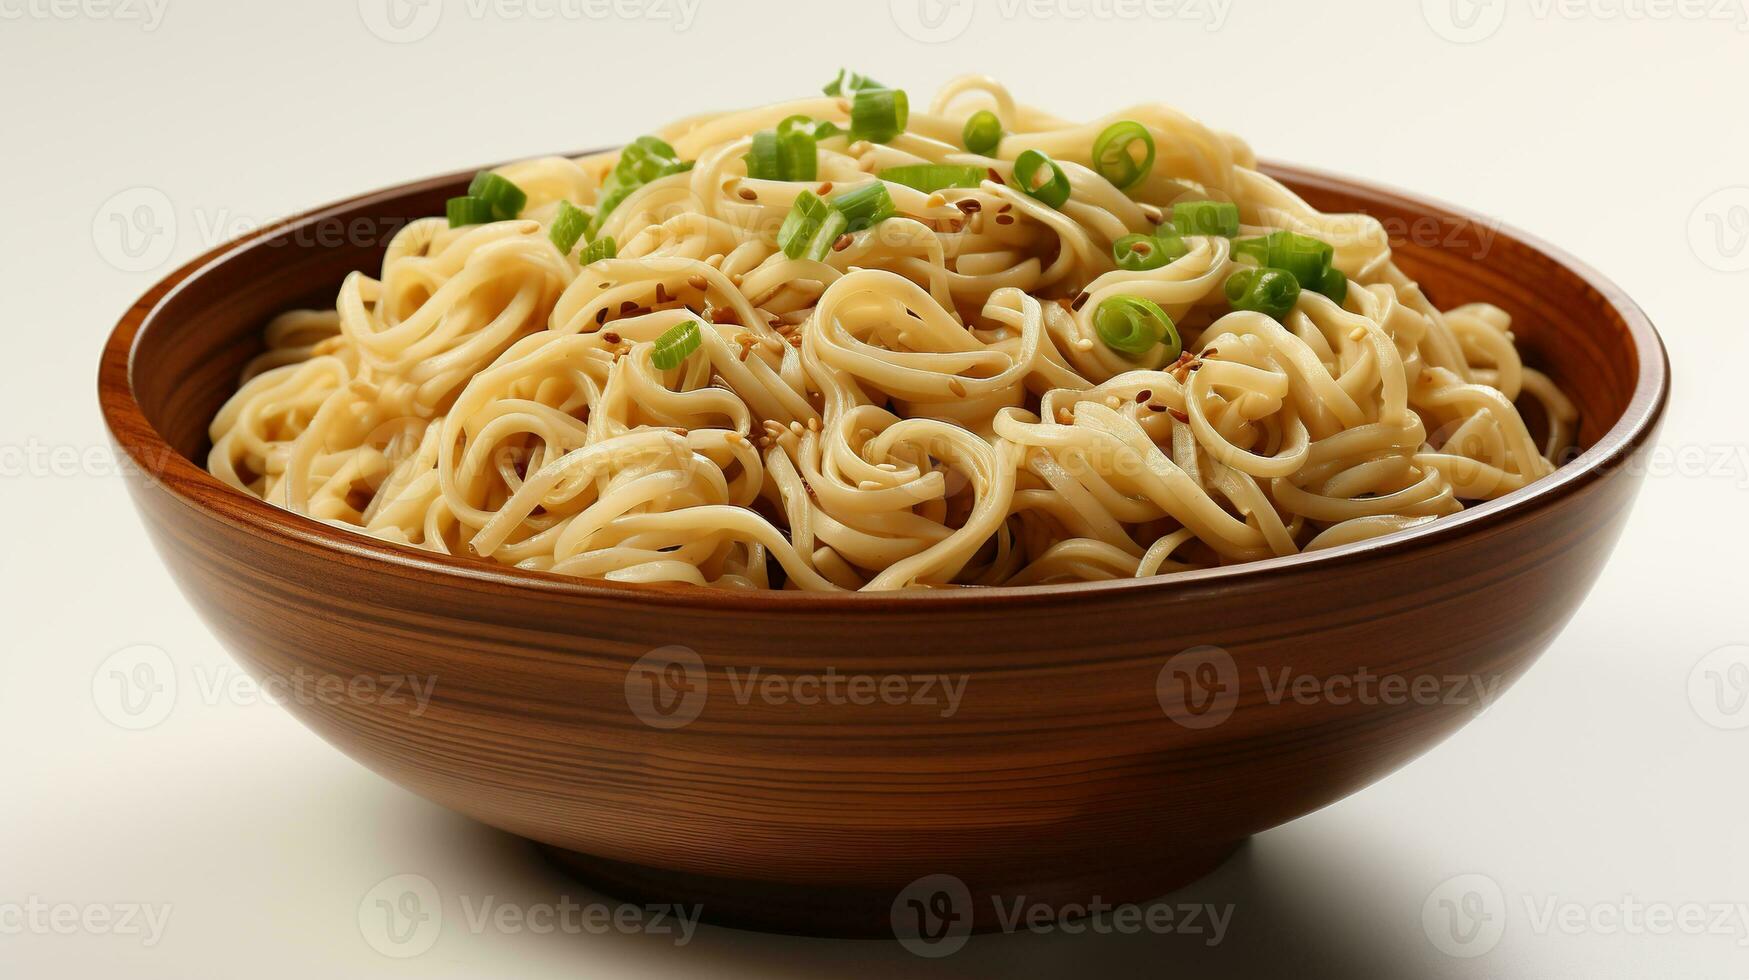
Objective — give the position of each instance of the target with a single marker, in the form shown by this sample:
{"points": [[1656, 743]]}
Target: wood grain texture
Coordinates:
{"points": [[1059, 777]]}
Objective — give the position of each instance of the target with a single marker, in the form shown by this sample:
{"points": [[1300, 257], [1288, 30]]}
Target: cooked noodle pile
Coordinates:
{"points": [[942, 396]]}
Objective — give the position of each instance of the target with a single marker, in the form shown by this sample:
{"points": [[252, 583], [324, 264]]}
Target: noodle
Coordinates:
{"points": [[931, 402]]}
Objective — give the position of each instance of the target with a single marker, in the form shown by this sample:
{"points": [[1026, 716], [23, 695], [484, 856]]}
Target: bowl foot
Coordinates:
{"points": [[930, 903]]}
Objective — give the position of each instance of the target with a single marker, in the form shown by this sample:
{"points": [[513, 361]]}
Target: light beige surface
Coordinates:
{"points": [[1607, 785]]}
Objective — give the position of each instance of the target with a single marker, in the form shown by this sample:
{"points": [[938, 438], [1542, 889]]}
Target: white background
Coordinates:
{"points": [[1616, 132]]}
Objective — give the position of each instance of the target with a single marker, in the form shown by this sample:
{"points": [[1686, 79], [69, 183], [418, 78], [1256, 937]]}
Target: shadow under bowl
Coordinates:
{"points": [[817, 763]]}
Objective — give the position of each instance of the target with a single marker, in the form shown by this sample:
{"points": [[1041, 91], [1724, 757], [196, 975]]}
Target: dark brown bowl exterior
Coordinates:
{"points": [[1082, 760]]}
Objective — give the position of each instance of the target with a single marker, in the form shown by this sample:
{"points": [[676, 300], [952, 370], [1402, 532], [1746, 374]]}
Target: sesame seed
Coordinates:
{"points": [[824, 189], [749, 194], [1080, 301], [1144, 395], [991, 174], [697, 281], [610, 337], [953, 385], [970, 205], [1005, 219], [842, 242], [935, 201]]}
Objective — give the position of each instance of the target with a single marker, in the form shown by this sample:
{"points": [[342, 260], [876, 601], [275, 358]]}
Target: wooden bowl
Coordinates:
{"points": [[1110, 739]]}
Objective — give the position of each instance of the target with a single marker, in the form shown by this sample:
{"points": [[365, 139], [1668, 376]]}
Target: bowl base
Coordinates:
{"points": [[879, 912]]}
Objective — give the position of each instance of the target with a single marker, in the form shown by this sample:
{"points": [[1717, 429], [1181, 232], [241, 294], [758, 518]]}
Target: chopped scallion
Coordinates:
{"points": [[505, 197], [1132, 326], [468, 211], [568, 225], [1334, 285], [1114, 159], [1270, 291], [643, 160], [866, 205], [810, 228], [929, 177], [1206, 218], [878, 114], [848, 82], [1140, 253], [983, 133], [601, 248], [675, 345], [1052, 188]]}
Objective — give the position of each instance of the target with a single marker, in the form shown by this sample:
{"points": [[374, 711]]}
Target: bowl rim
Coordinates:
{"points": [[194, 487]]}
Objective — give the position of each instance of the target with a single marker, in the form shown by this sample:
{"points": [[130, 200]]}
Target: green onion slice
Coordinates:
{"points": [[930, 177], [1132, 326], [779, 155], [1270, 291], [819, 129], [866, 205], [1206, 218], [798, 156], [762, 156], [1053, 190], [1334, 285], [1305, 257], [601, 248], [643, 160], [810, 228], [1114, 158], [1257, 248], [468, 211], [568, 226], [675, 345], [878, 114], [983, 132], [1140, 253], [848, 82], [505, 197]]}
